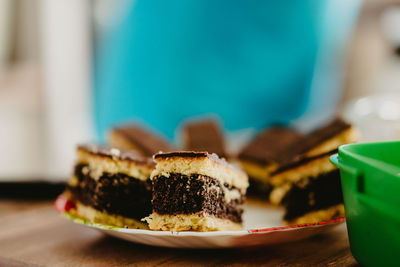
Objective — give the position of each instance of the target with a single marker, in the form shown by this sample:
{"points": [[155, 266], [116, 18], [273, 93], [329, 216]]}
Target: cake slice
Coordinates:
{"points": [[204, 136], [196, 191], [309, 185], [111, 187], [312, 156], [264, 154], [133, 137]]}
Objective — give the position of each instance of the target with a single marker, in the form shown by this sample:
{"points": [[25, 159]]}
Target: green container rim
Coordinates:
{"points": [[345, 153], [356, 165]]}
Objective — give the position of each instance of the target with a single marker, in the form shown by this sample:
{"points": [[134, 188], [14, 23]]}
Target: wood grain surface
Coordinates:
{"points": [[33, 234]]}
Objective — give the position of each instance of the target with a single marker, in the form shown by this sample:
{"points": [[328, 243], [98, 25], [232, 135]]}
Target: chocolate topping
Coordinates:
{"points": [[184, 154], [270, 145], [204, 136], [146, 142], [181, 194], [319, 136], [116, 194], [117, 154], [319, 193]]}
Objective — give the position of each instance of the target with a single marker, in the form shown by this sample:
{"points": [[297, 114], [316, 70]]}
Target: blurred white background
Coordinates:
{"points": [[46, 50]]}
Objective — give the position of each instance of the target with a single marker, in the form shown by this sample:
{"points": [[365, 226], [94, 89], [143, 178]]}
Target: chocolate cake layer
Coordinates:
{"points": [[142, 140], [181, 194], [117, 194], [204, 136], [270, 145], [313, 194], [258, 188]]}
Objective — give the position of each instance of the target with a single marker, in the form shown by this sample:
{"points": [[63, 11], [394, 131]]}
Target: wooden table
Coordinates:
{"points": [[32, 234]]}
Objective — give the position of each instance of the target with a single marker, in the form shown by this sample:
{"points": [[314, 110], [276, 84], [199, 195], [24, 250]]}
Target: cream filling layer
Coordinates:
{"points": [[278, 193], [229, 195]]}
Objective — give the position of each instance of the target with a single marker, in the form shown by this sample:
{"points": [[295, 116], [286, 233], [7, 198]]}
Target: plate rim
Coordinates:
{"points": [[60, 208]]}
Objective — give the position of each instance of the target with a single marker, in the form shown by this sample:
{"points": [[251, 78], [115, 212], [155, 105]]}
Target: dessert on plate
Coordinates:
{"points": [[309, 185], [110, 186], [196, 191]]}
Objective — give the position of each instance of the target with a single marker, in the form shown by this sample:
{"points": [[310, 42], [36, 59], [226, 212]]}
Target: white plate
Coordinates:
{"points": [[263, 224]]}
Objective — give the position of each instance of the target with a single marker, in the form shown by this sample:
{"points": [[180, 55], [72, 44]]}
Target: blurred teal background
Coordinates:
{"points": [[250, 62]]}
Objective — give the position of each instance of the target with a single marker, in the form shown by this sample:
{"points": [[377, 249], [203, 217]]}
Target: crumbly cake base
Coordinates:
{"points": [[92, 215], [319, 215], [198, 222]]}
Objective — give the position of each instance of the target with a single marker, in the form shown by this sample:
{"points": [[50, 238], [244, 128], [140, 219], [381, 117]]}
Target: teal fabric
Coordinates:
{"points": [[250, 62]]}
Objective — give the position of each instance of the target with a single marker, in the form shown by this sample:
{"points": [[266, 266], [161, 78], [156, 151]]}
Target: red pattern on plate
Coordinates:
{"points": [[298, 225]]}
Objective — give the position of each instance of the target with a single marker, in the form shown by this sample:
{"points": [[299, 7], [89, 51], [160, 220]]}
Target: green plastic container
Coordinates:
{"points": [[370, 175]]}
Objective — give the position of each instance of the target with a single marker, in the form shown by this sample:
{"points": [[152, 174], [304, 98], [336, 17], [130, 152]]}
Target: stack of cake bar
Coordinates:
{"points": [[294, 170], [188, 190], [196, 191], [309, 185], [111, 187], [185, 191], [139, 181]]}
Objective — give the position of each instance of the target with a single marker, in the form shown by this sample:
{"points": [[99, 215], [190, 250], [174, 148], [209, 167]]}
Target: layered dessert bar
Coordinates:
{"points": [[111, 187], [204, 136], [133, 137], [264, 154], [196, 191], [309, 185]]}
